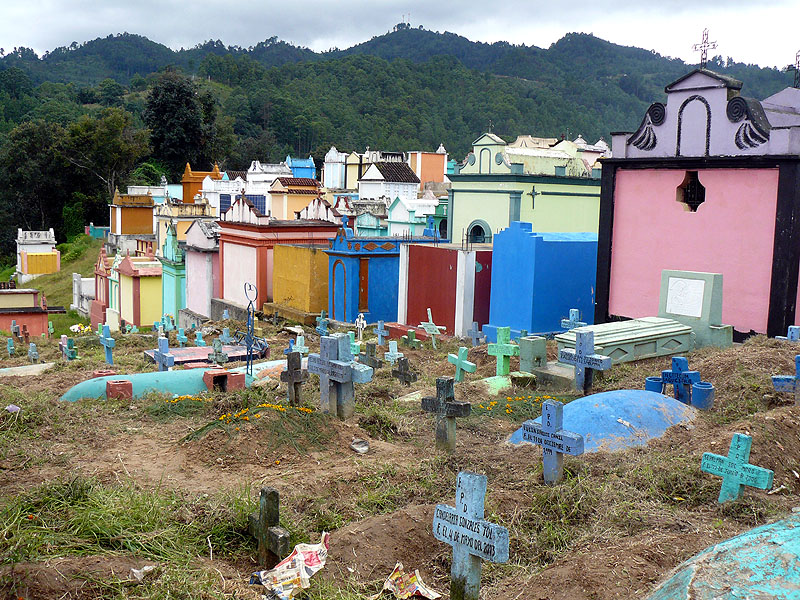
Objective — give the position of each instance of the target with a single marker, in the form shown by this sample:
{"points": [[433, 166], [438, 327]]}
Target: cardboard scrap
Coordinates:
{"points": [[404, 585], [291, 576]]}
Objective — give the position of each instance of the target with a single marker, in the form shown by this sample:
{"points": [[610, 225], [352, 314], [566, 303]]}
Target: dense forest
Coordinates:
{"points": [[81, 120]]}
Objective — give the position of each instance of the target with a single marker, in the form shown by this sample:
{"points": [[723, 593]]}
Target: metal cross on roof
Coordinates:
{"points": [[796, 68], [703, 48]]}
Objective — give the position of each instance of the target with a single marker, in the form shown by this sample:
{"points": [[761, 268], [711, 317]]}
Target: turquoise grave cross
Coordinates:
{"points": [[300, 345], [584, 359], [788, 383], [381, 332], [164, 359], [33, 353], [573, 321], [446, 409], [475, 333], [167, 323], [461, 363], [10, 347], [108, 343], [322, 324], [473, 539], [792, 334], [554, 440], [181, 337], [198, 339], [225, 315], [431, 328], [355, 347], [294, 375], [392, 355], [273, 540], [218, 357], [67, 347], [503, 350], [225, 336], [403, 372], [410, 340], [337, 374], [735, 470]]}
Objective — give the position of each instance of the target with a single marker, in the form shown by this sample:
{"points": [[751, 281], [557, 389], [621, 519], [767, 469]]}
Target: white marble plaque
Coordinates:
{"points": [[685, 296]]}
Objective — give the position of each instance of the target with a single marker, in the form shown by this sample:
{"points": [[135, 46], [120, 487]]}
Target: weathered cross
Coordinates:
{"points": [[181, 337], [503, 350], [584, 359], [273, 540], [50, 328], [225, 337], [461, 363], [392, 355], [294, 376], [25, 335], [198, 339], [355, 347], [532, 353], [15, 328], [361, 325], [67, 347], [403, 372], [789, 383], [337, 374], [792, 334], [33, 353], [410, 340], [10, 347], [473, 539], [218, 357], [167, 323], [225, 315], [322, 324], [681, 378], [369, 358], [573, 321], [431, 328], [475, 333], [164, 359], [300, 345], [108, 343], [735, 470], [446, 409], [554, 440], [381, 332], [703, 47]]}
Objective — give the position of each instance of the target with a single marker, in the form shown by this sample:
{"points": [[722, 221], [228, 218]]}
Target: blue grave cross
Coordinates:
{"points": [[108, 343], [164, 359], [198, 339], [503, 350], [392, 355], [181, 337], [788, 383], [300, 345], [225, 337], [472, 537], [14, 328], [477, 336], [584, 359], [554, 440], [33, 353], [573, 321], [290, 349], [322, 324], [337, 373], [432, 329], [381, 332], [681, 379], [10, 347], [461, 363], [133, 329], [792, 334], [735, 470]]}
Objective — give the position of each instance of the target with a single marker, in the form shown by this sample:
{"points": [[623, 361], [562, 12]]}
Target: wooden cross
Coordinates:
{"points": [[681, 379], [218, 357], [410, 340], [792, 334], [431, 328], [584, 360], [294, 376], [198, 339], [735, 470], [461, 363], [392, 355], [703, 47], [503, 350], [181, 337], [225, 336], [273, 540], [164, 359], [381, 332], [788, 383], [337, 374], [369, 357], [322, 324], [300, 345], [108, 343], [403, 372], [26, 336], [361, 325], [476, 335], [473, 539], [33, 353], [573, 321], [446, 409], [554, 440]]}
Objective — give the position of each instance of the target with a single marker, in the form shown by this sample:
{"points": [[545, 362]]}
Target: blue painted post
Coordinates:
{"points": [[225, 337], [681, 378], [503, 350], [300, 345], [475, 333], [446, 409], [461, 363], [431, 328], [181, 337], [10, 347], [584, 359], [574, 320], [164, 359], [788, 383], [198, 339], [381, 332], [322, 324], [392, 355], [792, 335], [554, 440], [735, 470], [473, 539], [108, 343]]}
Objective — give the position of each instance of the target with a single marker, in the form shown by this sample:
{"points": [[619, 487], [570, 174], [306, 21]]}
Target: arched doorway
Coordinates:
{"points": [[478, 232]]}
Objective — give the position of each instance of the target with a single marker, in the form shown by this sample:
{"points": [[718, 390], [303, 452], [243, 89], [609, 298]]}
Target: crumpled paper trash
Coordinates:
{"points": [[404, 585], [140, 574], [13, 408], [291, 576]]}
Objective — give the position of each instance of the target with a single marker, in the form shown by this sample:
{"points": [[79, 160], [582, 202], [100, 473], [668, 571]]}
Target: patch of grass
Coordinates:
{"points": [[670, 479], [383, 424], [166, 408], [516, 408]]}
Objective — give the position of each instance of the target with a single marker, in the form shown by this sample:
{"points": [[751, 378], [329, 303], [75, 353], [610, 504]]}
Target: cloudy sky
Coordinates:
{"points": [[743, 29]]}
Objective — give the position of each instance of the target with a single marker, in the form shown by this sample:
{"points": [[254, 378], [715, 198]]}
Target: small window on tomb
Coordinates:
{"points": [[477, 235], [691, 192]]}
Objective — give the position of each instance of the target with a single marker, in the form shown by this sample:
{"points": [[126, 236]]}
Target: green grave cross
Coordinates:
{"points": [[735, 470], [273, 540], [410, 340], [431, 328], [461, 363], [218, 357], [503, 350]]}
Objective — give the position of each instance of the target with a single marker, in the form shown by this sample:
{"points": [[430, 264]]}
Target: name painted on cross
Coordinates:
{"points": [[479, 536], [532, 433]]}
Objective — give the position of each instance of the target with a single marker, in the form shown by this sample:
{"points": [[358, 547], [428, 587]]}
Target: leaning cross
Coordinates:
{"points": [[584, 360], [461, 363], [681, 378], [392, 355], [573, 321], [475, 333], [446, 409], [164, 359], [554, 440], [361, 325], [503, 350], [181, 337], [108, 343], [198, 339], [218, 357], [471, 537], [403, 372], [410, 340], [294, 376], [792, 334], [225, 336], [381, 332], [273, 540], [369, 358], [322, 324], [337, 374], [735, 470], [431, 328], [788, 383]]}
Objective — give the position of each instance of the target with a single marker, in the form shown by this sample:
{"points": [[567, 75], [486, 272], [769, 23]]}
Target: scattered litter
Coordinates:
{"points": [[13, 408], [404, 585], [796, 474], [140, 574], [359, 445], [291, 576], [625, 423], [776, 490]]}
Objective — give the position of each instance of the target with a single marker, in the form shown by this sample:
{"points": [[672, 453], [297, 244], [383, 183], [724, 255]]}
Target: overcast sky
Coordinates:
{"points": [[743, 29]]}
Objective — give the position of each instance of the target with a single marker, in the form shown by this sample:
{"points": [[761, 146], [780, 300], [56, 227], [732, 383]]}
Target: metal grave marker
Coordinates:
{"points": [[403, 372], [446, 409], [584, 359], [108, 344], [294, 376], [503, 350], [432, 329], [381, 332], [461, 363], [273, 540], [251, 293], [554, 440], [392, 355], [788, 383], [573, 321], [164, 359], [735, 470]]}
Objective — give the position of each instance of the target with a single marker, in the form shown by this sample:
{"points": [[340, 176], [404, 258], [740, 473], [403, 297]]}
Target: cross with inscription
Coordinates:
{"points": [[273, 540], [164, 359], [503, 350], [369, 357], [410, 340], [218, 357], [446, 409], [473, 539], [355, 347], [381, 332], [10, 347], [322, 324], [703, 47], [475, 333], [225, 337], [735, 470], [403, 372], [181, 337], [431, 328], [33, 353], [461, 363], [361, 325], [584, 359], [681, 379], [294, 376], [108, 343], [788, 383], [573, 321], [337, 374], [198, 339], [792, 334], [392, 355], [300, 345], [554, 440]]}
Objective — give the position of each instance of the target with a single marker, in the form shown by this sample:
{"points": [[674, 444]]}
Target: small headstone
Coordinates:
{"points": [[108, 344], [198, 339], [735, 470], [361, 325], [225, 337], [792, 335], [369, 357], [218, 357], [225, 315], [381, 332], [446, 409], [164, 359], [532, 353], [392, 355], [181, 337], [337, 374], [273, 540], [410, 340], [300, 345], [554, 440], [431, 328], [788, 383], [322, 324], [461, 363], [403, 372], [503, 350], [355, 347], [476, 335], [584, 359], [10, 347], [294, 376], [473, 539], [574, 320], [33, 353]]}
